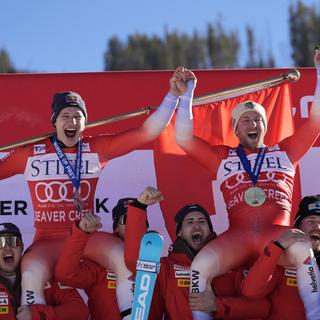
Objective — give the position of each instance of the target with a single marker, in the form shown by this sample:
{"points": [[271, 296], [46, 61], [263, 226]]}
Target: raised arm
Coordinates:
{"points": [[136, 224], [152, 127], [305, 136], [196, 147]]}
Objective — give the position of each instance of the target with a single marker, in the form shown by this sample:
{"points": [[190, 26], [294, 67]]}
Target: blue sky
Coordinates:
{"points": [[72, 35]]}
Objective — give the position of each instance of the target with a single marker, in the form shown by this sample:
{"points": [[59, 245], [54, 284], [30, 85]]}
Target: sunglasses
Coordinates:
{"points": [[11, 241]]}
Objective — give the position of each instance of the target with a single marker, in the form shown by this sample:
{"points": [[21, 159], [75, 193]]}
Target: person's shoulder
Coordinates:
{"points": [[275, 147], [89, 142], [40, 147]]}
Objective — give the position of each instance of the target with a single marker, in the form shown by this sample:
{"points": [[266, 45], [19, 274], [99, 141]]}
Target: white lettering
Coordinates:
{"points": [[144, 287]]}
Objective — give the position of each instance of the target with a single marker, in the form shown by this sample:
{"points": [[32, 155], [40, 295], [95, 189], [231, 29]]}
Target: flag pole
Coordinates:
{"points": [[291, 75]]}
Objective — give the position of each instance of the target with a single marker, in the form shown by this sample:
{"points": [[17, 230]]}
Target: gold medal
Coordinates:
{"points": [[77, 201], [255, 196]]}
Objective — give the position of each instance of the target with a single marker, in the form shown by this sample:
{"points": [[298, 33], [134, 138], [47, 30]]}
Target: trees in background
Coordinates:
{"points": [[216, 48], [304, 23], [5, 64]]}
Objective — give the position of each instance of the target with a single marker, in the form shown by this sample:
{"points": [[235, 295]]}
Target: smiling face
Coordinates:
{"points": [[311, 226], [10, 257], [251, 130], [194, 230], [70, 124]]}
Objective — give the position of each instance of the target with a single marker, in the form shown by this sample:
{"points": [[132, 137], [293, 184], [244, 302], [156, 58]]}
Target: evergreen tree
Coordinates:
{"points": [[5, 63], [304, 33]]}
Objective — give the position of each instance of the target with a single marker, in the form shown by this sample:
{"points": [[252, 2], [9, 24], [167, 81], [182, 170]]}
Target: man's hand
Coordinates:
{"points": [[90, 223], [178, 83], [291, 236], [24, 313], [150, 196], [317, 56], [203, 301]]}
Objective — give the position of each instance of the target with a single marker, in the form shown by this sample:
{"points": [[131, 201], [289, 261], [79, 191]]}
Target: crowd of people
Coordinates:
{"points": [[260, 268]]}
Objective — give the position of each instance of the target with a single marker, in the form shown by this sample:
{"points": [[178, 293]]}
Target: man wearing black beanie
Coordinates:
{"points": [[266, 277], [171, 294], [62, 174]]}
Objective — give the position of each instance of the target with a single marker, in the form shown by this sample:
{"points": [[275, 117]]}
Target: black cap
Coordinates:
{"points": [[308, 206], [181, 214], [120, 209], [10, 228], [66, 99]]}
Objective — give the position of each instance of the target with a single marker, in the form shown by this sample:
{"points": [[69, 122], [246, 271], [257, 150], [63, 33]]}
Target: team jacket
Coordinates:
{"points": [[172, 290], [172, 286], [98, 283], [267, 278], [63, 303], [50, 188], [276, 176]]}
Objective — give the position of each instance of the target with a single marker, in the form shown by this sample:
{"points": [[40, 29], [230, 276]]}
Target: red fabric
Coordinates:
{"points": [[171, 291], [98, 283], [46, 176], [135, 229], [178, 174], [63, 303], [171, 294], [6, 307], [267, 278]]}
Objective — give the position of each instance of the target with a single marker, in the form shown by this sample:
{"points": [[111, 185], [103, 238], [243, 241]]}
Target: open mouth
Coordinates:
{"points": [[315, 237], [8, 258], [70, 133], [253, 135], [197, 237]]}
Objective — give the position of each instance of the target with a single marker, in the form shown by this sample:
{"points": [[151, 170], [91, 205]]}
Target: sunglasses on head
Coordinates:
{"points": [[10, 240]]}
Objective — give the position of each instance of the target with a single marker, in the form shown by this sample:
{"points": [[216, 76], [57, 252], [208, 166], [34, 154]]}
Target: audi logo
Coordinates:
{"points": [[57, 191]]}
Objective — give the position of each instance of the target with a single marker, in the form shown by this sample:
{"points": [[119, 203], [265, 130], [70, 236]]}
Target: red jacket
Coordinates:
{"points": [[172, 290], [266, 277], [98, 283], [172, 287], [63, 303]]}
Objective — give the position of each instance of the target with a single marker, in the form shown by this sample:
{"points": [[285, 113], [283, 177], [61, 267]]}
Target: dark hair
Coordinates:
{"points": [[181, 214], [308, 206]]}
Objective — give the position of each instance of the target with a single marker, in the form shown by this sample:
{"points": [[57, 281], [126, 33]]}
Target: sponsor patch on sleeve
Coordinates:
{"points": [[183, 283], [39, 149], [4, 309], [111, 284]]}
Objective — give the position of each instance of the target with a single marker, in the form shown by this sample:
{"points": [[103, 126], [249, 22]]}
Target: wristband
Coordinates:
{"points": [[138, 204], [278, 244]]}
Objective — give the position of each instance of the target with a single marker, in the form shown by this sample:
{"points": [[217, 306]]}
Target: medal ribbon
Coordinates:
{"points": [[253, 174], [73, 173]]}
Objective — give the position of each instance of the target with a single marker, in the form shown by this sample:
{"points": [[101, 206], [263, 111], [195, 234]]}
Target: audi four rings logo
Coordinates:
{"points": [[57, 191]]}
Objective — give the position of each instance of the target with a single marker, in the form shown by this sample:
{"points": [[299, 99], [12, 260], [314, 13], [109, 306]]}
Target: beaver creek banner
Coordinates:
{"points": [[25, 112]]}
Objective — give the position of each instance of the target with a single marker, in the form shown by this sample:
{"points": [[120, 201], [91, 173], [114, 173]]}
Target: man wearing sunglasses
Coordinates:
{"points": [[63, 302], [98, 283]]}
